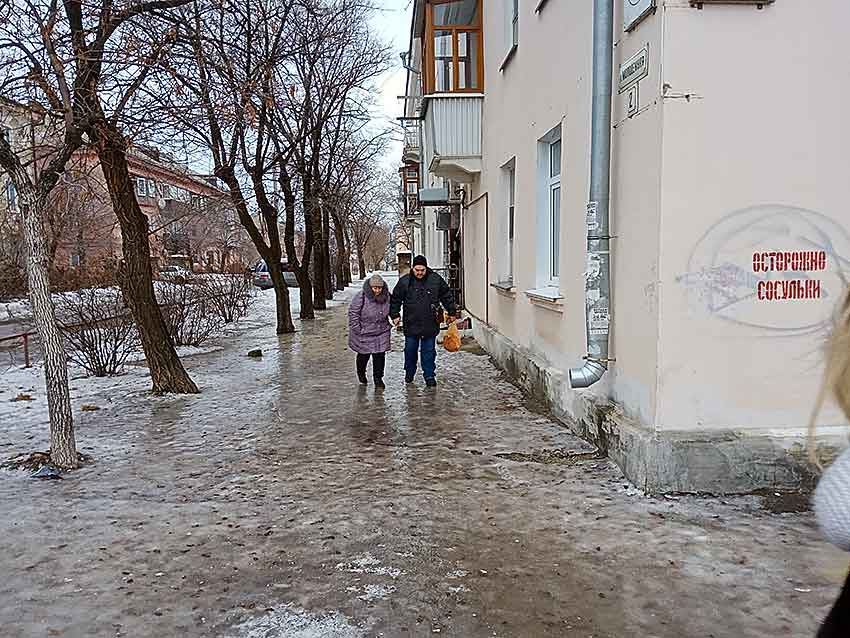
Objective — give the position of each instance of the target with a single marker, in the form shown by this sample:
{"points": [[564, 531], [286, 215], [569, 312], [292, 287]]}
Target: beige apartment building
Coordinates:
{"points": [[728, 223]]}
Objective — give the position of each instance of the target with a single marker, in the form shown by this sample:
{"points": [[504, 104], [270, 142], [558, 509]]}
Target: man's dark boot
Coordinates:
{"points": [[408, 378], [431, 383]]}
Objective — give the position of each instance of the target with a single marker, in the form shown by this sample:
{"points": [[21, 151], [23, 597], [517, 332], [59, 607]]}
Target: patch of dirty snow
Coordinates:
{"points": [[372, 593], [290, 622], [368, 564]]}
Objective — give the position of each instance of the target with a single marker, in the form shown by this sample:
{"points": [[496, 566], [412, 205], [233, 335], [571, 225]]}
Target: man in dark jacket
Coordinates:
{"points": [[421, 295]]}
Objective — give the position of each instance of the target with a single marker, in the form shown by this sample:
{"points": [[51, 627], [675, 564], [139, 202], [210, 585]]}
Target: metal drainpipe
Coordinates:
{"points": [[597, 276]]}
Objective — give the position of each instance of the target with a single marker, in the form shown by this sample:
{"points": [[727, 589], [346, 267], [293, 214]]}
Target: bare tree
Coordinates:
{"points": [[221, 91], [334, 65], [52, 58], [372, 209]]}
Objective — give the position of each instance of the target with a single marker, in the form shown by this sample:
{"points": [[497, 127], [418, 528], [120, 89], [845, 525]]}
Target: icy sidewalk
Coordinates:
{"points": [[286, 502]]}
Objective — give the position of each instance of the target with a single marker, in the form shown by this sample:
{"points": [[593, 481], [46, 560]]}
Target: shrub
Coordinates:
{"points": [[189, 315], [230, 296], [98, 330]]}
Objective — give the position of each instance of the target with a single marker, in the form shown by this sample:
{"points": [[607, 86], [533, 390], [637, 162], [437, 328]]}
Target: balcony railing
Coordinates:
{"points": [[411, 141]]}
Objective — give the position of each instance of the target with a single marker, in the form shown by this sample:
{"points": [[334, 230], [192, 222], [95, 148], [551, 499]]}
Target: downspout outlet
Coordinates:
{"points": [[588, 374]]}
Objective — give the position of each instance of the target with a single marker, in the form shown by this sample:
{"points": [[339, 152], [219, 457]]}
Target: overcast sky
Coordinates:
{"points": [[392, 23]]}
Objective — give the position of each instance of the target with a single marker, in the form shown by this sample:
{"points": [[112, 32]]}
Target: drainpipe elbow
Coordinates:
{"points": [[588, 374]]}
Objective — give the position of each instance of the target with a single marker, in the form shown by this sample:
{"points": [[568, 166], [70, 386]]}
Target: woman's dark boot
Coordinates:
{"points": [[362, 361], [379, 384]]}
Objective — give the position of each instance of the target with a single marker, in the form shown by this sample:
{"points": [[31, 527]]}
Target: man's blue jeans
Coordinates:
{"points": [[412, 346]]}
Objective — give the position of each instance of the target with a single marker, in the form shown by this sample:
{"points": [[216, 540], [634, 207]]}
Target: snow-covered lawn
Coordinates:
{"points": [[22, 390]]}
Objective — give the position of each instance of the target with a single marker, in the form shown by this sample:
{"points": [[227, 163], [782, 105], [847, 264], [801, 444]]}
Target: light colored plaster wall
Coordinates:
{"points": [[548, 82], [754, 159]]}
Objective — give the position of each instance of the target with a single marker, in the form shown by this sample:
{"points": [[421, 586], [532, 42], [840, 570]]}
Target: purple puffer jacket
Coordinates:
{"points": [[369, 328]]}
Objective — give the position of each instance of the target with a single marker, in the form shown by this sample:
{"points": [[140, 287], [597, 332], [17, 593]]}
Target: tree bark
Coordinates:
{"points": [[346, 265], [281, 293], [300, 266], [135, 274], [361, 264], [326, 253], [319, 266], [339, 267], [63, 447]]}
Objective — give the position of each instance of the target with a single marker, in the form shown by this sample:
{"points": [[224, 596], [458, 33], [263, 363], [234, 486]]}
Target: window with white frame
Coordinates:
{"points": [[509, 181], [555, 210], [7, 134], [511, 25], [141, 187], [151, 188], [515, 23], [549, 209]]}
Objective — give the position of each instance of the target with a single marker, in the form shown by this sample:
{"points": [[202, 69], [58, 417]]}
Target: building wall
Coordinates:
{"points": [[524, 102], [755, 160], [737, 147]]}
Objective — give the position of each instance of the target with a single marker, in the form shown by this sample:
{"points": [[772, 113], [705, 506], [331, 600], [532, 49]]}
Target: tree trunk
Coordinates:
{"points": [[319, 266], [281, 293], [300, 266], [347, 269], [326, 247], [339, 267], [136, 276], [63, 447], [347, 262], [361, 265]]}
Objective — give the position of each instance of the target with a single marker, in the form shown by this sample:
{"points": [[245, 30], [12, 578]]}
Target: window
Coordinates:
{"points": [[141, 187], [453, 47], [515, 23], [555, 209], [7, 134], [511, 177], [549, 209], [151, 188], [510, 19], [75, 260]]}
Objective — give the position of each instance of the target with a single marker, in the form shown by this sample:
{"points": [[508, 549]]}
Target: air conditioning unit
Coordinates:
{"points": [[444, 219], [433, 196]]}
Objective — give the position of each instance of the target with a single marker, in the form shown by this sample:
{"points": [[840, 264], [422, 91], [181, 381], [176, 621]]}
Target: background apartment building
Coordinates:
{"points": [[191, 221], [728, 215]]}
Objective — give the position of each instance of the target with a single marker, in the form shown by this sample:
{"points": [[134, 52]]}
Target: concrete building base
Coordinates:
{"points": [[717, 462]]}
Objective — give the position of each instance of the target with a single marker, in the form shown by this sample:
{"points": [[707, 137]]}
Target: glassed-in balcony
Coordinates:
{"points": [[453, 136]]}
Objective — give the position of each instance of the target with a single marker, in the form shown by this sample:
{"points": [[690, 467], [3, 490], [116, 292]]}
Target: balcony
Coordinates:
{"points": [[453, 136], [410, 153]]}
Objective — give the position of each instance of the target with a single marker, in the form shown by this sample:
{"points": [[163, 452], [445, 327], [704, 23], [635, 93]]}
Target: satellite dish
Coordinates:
{"points": [[161, 202]]}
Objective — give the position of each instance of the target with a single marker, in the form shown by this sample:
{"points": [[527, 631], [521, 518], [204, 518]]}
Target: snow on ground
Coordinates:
{"points": [[289, 622], [22, 390]]}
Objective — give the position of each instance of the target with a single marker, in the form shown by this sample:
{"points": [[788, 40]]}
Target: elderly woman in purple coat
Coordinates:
{"points": [[370, 329]]}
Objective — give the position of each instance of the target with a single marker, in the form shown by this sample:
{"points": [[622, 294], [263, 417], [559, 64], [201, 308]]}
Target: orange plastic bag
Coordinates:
{"points": [[452, 341]]}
